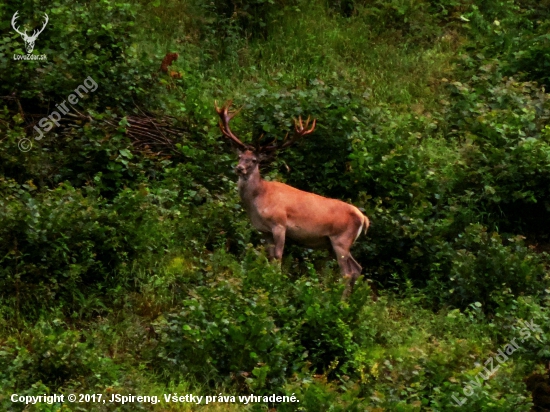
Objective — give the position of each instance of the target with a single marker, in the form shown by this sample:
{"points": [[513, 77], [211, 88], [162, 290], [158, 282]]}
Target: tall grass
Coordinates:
{"points": [[314, 42]]}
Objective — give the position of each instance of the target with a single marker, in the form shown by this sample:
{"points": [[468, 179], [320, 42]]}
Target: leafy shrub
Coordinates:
{"points": [[62, 242], [255, 325], [481, 266], [49, 356], [505, 166]]}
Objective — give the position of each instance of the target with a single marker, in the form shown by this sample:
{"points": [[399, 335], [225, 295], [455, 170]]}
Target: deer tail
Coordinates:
{"points": [[366, 224]]}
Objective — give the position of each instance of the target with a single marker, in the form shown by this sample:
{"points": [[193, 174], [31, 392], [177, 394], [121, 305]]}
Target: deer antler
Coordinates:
{"points": [[37, 32], [13, 19], [300, 130], [225, 118]]}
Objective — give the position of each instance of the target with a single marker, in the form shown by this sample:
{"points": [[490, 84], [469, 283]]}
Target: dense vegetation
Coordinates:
{"points": [[129, 266]]}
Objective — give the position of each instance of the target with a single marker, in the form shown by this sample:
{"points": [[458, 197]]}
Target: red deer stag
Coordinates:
{"points": [[280, 211]]}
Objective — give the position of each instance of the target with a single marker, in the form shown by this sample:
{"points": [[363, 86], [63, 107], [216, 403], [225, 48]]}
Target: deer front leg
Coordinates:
{"points": [[269, 245], [279, 232]]}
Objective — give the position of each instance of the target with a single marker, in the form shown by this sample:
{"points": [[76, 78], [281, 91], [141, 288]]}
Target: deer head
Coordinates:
{"points": [[251, 155], [29, 40]]}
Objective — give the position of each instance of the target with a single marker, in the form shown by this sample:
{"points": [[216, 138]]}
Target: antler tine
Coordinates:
{"points": [[35, 34], [14, 18], [299, 131], [236, 112], [225, 109], [225, 118], [257, 141], [269, 147]]}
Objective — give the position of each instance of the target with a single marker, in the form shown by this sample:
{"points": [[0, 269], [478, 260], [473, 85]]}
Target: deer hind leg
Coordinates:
{"points": [[355, 268], [349, 268], [354, 273]]}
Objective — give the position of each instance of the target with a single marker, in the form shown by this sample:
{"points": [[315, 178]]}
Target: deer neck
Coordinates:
{"points": [[250, 187]]}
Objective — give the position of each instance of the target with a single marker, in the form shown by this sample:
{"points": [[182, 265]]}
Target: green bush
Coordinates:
{"points": [[255, 326], [50, 355], [63, 247], [481, 266], [504, 123]]}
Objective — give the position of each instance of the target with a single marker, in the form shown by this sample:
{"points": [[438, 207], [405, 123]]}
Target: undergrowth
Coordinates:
{"points": [[126, 271]]}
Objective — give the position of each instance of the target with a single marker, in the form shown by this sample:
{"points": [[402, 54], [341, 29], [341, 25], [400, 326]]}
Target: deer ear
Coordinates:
{"points": [[262, 157]]}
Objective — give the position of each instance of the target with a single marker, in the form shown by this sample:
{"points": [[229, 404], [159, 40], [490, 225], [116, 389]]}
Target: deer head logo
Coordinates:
{"points": [[29, 40]]}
